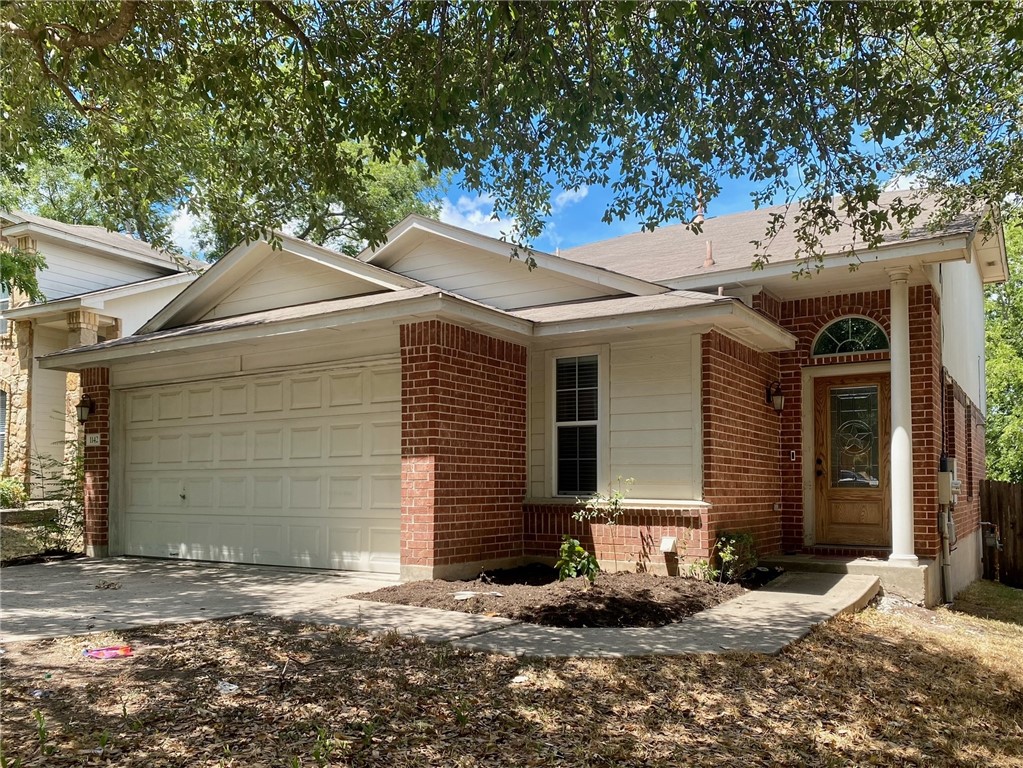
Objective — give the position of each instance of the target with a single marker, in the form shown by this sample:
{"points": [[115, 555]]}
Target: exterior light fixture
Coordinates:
{"points": [[775, 397], [85, 409]]}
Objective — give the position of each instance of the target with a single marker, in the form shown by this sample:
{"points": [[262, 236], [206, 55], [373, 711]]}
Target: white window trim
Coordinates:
{"points": [[603, 354]]}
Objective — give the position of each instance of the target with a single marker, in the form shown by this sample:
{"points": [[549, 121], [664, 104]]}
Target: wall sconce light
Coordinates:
{"points": [[85, 409], [775, 396]]}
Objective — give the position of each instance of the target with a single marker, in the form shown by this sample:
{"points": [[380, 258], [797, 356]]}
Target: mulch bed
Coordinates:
{"points": [[46, 556], [534, 594]]}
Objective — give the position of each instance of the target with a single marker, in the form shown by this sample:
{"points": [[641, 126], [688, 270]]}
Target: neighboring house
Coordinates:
{"points": [[98, 285], [433, 408]]}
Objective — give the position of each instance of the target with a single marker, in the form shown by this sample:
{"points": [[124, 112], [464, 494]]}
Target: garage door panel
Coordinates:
{"points": [[305, 393], [200, 403], [305, 442], [291, 470], [170, 406]]}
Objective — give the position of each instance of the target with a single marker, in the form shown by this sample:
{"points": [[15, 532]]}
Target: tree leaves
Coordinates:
{"points": [[227, 104]]}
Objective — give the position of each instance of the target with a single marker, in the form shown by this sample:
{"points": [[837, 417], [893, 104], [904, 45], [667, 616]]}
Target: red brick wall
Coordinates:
{"points": [[805, 318], [96, 385], [463, 444], [964, 442], [636, 537], [741, 433]]}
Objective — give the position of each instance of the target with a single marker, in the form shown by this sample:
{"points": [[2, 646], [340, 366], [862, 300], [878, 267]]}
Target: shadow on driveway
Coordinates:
{"points": [[81, 596]]}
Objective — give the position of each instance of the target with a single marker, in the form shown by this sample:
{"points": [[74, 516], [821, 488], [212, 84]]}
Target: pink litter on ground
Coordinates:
{"points": [[110, 652]]}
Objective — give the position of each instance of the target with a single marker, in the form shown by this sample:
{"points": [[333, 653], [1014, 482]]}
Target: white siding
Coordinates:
{"points": [[268, 354], [136, 310], [495, 280], [285, 280], [70, 272], [48, 397], [651, 426], [962, 327]]}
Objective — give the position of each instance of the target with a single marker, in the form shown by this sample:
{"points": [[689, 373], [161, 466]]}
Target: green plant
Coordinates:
{"points": [[606, 508], [42, 734], [65, 484], [12, 493], [737, 554], [702, 570], [574, 560]]}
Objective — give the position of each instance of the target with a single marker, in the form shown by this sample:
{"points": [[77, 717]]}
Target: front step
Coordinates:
{"points": [[920, 584]]}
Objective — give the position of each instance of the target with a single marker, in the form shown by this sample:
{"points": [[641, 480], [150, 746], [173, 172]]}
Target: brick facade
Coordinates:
{"points": [[805, 318], [741, 433], [634, 542], [463, 449], [96, 386], [964, 442]]}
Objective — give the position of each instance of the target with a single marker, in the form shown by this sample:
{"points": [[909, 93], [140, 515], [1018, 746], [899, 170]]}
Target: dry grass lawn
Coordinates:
{"points": [[886, 687]]}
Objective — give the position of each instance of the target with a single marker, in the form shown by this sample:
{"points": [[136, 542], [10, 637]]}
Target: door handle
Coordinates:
{"points": [[820, 467]]}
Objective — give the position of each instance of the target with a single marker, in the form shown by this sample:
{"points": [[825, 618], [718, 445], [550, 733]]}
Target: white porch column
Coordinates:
{"points": [[902, 423]]}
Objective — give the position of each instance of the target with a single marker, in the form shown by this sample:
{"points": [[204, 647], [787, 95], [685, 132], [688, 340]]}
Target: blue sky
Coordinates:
{"points": [[577, 214]]}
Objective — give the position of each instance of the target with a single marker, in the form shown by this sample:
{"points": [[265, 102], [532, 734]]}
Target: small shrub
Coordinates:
{"points": [[606, 508], [702, 570], [574, 560], [66, 481], [12, 493], [736, 554]]}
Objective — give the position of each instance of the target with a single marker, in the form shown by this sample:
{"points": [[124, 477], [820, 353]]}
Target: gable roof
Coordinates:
{"points": [[97, 299], [227, 273], [674, 252], [414, 225], [110, 243]]}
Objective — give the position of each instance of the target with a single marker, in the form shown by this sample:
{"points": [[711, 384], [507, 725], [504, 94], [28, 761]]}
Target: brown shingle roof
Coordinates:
{"points": [[673, 251]]}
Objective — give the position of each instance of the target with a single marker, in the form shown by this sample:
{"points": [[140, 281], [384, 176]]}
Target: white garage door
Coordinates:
{"points": [[295, 469]]}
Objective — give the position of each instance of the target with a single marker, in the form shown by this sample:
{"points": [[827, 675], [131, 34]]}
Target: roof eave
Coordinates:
{"points": [[931, 251], [730, 316], [575, 269], [95, 246]]}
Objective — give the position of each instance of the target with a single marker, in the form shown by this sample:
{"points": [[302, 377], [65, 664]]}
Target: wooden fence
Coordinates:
{"points": [[1001, 505]]}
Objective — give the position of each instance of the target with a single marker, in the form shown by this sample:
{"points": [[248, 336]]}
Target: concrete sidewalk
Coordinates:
{"points": [[83, 596]]}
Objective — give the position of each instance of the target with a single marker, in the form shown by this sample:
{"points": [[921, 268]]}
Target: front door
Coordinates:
{"points": [[852, 416]]}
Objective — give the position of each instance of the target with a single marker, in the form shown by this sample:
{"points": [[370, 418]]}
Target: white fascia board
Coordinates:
{"points": [[205, 286], [94, 246], [727, 316], [947, 249], [347, 264], [433, 304], [594, 275], [76, 360], [96, 299]]}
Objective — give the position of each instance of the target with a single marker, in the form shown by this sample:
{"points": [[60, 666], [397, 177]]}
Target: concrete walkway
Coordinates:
{"points": [[81, 596]]}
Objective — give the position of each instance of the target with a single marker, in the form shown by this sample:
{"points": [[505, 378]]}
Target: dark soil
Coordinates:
{"points": [[534, 594], [46, 556]]}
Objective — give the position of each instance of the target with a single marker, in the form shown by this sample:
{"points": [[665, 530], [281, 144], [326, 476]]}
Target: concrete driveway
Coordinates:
{"points": [[79, 596]]}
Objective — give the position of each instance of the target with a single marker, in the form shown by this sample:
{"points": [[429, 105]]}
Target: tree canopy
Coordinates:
{"points": [[243, 110], [1004, 354]]}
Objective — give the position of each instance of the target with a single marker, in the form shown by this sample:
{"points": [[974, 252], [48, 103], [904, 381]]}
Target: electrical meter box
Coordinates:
{"points": [[948, 485]]}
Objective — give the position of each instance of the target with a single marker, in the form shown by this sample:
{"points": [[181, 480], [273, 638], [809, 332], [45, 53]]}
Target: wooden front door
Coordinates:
{"points": [[852, 460]]}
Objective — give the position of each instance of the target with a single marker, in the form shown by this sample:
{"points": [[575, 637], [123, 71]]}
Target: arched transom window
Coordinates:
{"points": [[848, 335]]}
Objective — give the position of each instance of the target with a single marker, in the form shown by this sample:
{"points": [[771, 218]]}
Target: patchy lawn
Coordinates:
{"points": [[534, 594], [886, 687]]}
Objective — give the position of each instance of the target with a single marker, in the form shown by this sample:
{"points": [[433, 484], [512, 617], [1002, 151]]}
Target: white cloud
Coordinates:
{"points": [[476, 214], [904, 182], [182, 233], [569, 197]]}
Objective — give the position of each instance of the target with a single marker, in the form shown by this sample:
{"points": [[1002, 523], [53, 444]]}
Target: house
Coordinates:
{"points": [[98, 285], [432, 407]]}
